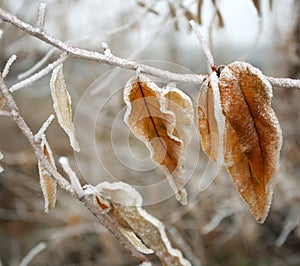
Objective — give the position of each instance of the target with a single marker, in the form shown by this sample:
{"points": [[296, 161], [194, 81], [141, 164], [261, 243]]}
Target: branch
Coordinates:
{"points": [[96, 56], [62, 182], [121, 62]]}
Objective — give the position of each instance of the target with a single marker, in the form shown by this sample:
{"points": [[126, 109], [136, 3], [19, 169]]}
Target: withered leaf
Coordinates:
{"points": [[62, 105], [159, 118], [48, 183], [252, 135], [126, 209]]}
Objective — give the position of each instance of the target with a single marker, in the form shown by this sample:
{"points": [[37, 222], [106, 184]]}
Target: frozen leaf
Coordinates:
{"points": [[126, 209], [210, 119], [62, 105], [1, 157], [252, 136], [48, 184], [159, 118], [251, 139]]}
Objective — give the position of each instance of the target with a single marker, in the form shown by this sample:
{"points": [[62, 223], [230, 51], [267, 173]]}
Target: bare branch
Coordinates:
{"points": [[96, 56]]}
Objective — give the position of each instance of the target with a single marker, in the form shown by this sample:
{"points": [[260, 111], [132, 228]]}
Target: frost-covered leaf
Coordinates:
{"points": [[62, 105], [253, 135], [48, 184], [126, 209], [1, 157], [160, 118], [210, 119], [252, 138]]}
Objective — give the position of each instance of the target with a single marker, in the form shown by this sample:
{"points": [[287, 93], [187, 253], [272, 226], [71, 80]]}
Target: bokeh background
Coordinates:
{"points": [[216, 227]]}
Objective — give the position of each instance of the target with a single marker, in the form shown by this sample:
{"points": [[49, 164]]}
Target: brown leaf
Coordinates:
{"points": [[210, 119], [143, 230], [48, 183], [252, 134], [62, 104], [159, 119]]}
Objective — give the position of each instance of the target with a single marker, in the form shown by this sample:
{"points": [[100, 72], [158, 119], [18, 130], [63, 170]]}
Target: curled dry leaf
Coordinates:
{"points": [[48, 184], [62, 104], [160, 118], [126, 209], [252, 136]]}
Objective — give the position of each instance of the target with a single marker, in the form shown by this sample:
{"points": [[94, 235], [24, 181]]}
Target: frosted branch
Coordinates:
{"points": [[36, 66], [32, 253], [44, 127], [61, 181], [64, 162], [26, 82], [117, 61], [8, 65], [204, 45]]}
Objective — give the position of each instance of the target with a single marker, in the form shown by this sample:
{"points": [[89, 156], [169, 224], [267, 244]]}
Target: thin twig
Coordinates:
{"points": [[41, 132], [64, 162], [96, 56], [26, 82], [41, 16], [36, 66], [121, 62], [8, 65], [204, 45]]}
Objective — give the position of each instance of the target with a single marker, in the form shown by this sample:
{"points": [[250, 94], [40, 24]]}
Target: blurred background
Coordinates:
{"points": [[215, 228]]}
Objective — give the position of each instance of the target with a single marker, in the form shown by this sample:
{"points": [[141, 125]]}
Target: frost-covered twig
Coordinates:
{"points": [[36, 66], [121, 62], [62, 182], [204, 45], [32, 253], [44, 127], [26, 82], [41, 16], [72, 175], [8, 65]]}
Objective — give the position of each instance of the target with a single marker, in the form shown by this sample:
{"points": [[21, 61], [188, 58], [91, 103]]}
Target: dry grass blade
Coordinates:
{"points": [[256, 4], [199, 10]]}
